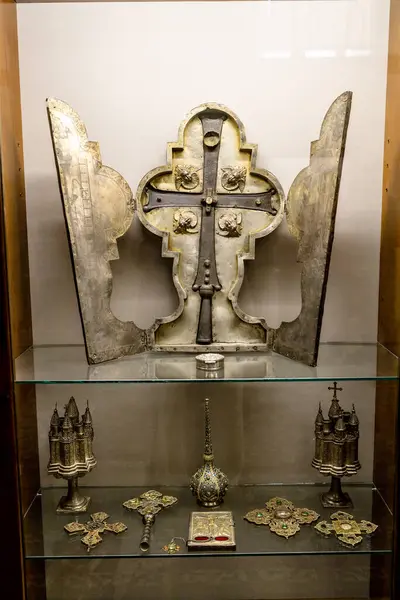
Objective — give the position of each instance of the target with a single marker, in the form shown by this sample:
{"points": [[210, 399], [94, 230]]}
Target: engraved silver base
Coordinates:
{"points": [[73, 502], [328, 501], [336, 498], [66, 508]]}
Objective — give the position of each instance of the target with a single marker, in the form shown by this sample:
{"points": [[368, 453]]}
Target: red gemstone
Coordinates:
{"points": [[201, 538], [222, 538]]}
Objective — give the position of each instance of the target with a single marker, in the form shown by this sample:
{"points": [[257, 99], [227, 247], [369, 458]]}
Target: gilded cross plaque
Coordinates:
{"points": [[91, 530], [282, 517], [346, 528]]}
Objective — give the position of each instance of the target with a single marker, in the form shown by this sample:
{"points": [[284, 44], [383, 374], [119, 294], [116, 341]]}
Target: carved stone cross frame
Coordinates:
{"points": [[209, 204]]}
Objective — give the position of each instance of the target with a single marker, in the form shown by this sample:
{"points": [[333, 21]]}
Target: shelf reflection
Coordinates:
{"points": [[45, 536], [65, 364]]}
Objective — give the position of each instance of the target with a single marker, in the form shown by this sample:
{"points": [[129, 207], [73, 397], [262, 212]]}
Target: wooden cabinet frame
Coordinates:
{"points": [[20, 483]]}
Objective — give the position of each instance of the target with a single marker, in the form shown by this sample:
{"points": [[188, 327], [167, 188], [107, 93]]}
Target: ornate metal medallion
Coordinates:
{"points": [[172, 547], [211, 530], [186, 177], [346, 529], [92, 529], [230, 224], [282, 517], [185, 221], [149, 505], [234, 178]]}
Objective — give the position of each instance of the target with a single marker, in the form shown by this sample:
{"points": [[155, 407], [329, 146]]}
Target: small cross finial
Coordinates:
{"points": [[335, 389]]}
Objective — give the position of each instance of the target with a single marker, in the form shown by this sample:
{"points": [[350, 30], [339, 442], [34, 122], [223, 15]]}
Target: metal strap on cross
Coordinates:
{"points": [[207, 281]]}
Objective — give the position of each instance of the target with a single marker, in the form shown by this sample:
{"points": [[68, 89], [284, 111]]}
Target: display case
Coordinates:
{"points": [[266, 242]]}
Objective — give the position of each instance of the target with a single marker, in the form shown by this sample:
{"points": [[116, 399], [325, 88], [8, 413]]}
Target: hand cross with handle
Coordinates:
{"points": [[149, 505]]}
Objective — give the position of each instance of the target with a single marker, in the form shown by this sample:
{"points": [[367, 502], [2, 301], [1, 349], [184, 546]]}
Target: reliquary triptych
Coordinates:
{"points": [[208, 205]]}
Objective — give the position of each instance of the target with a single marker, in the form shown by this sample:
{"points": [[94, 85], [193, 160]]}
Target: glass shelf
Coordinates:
{"points": [[45, 536], [67, 364]]}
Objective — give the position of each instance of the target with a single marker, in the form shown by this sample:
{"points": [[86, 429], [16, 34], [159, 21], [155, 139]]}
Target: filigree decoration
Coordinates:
{"points": [[173, 547], [282, 517], [92, 529], [185, 221], [230, 224], [150, 502], [346, 528], [149, 505], [186, 177], [211, 530], [234, 178], [71, 454], [209, 484]]}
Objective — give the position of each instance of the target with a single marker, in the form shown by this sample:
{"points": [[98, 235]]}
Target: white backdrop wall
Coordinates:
{"points": [[133, 70]]}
